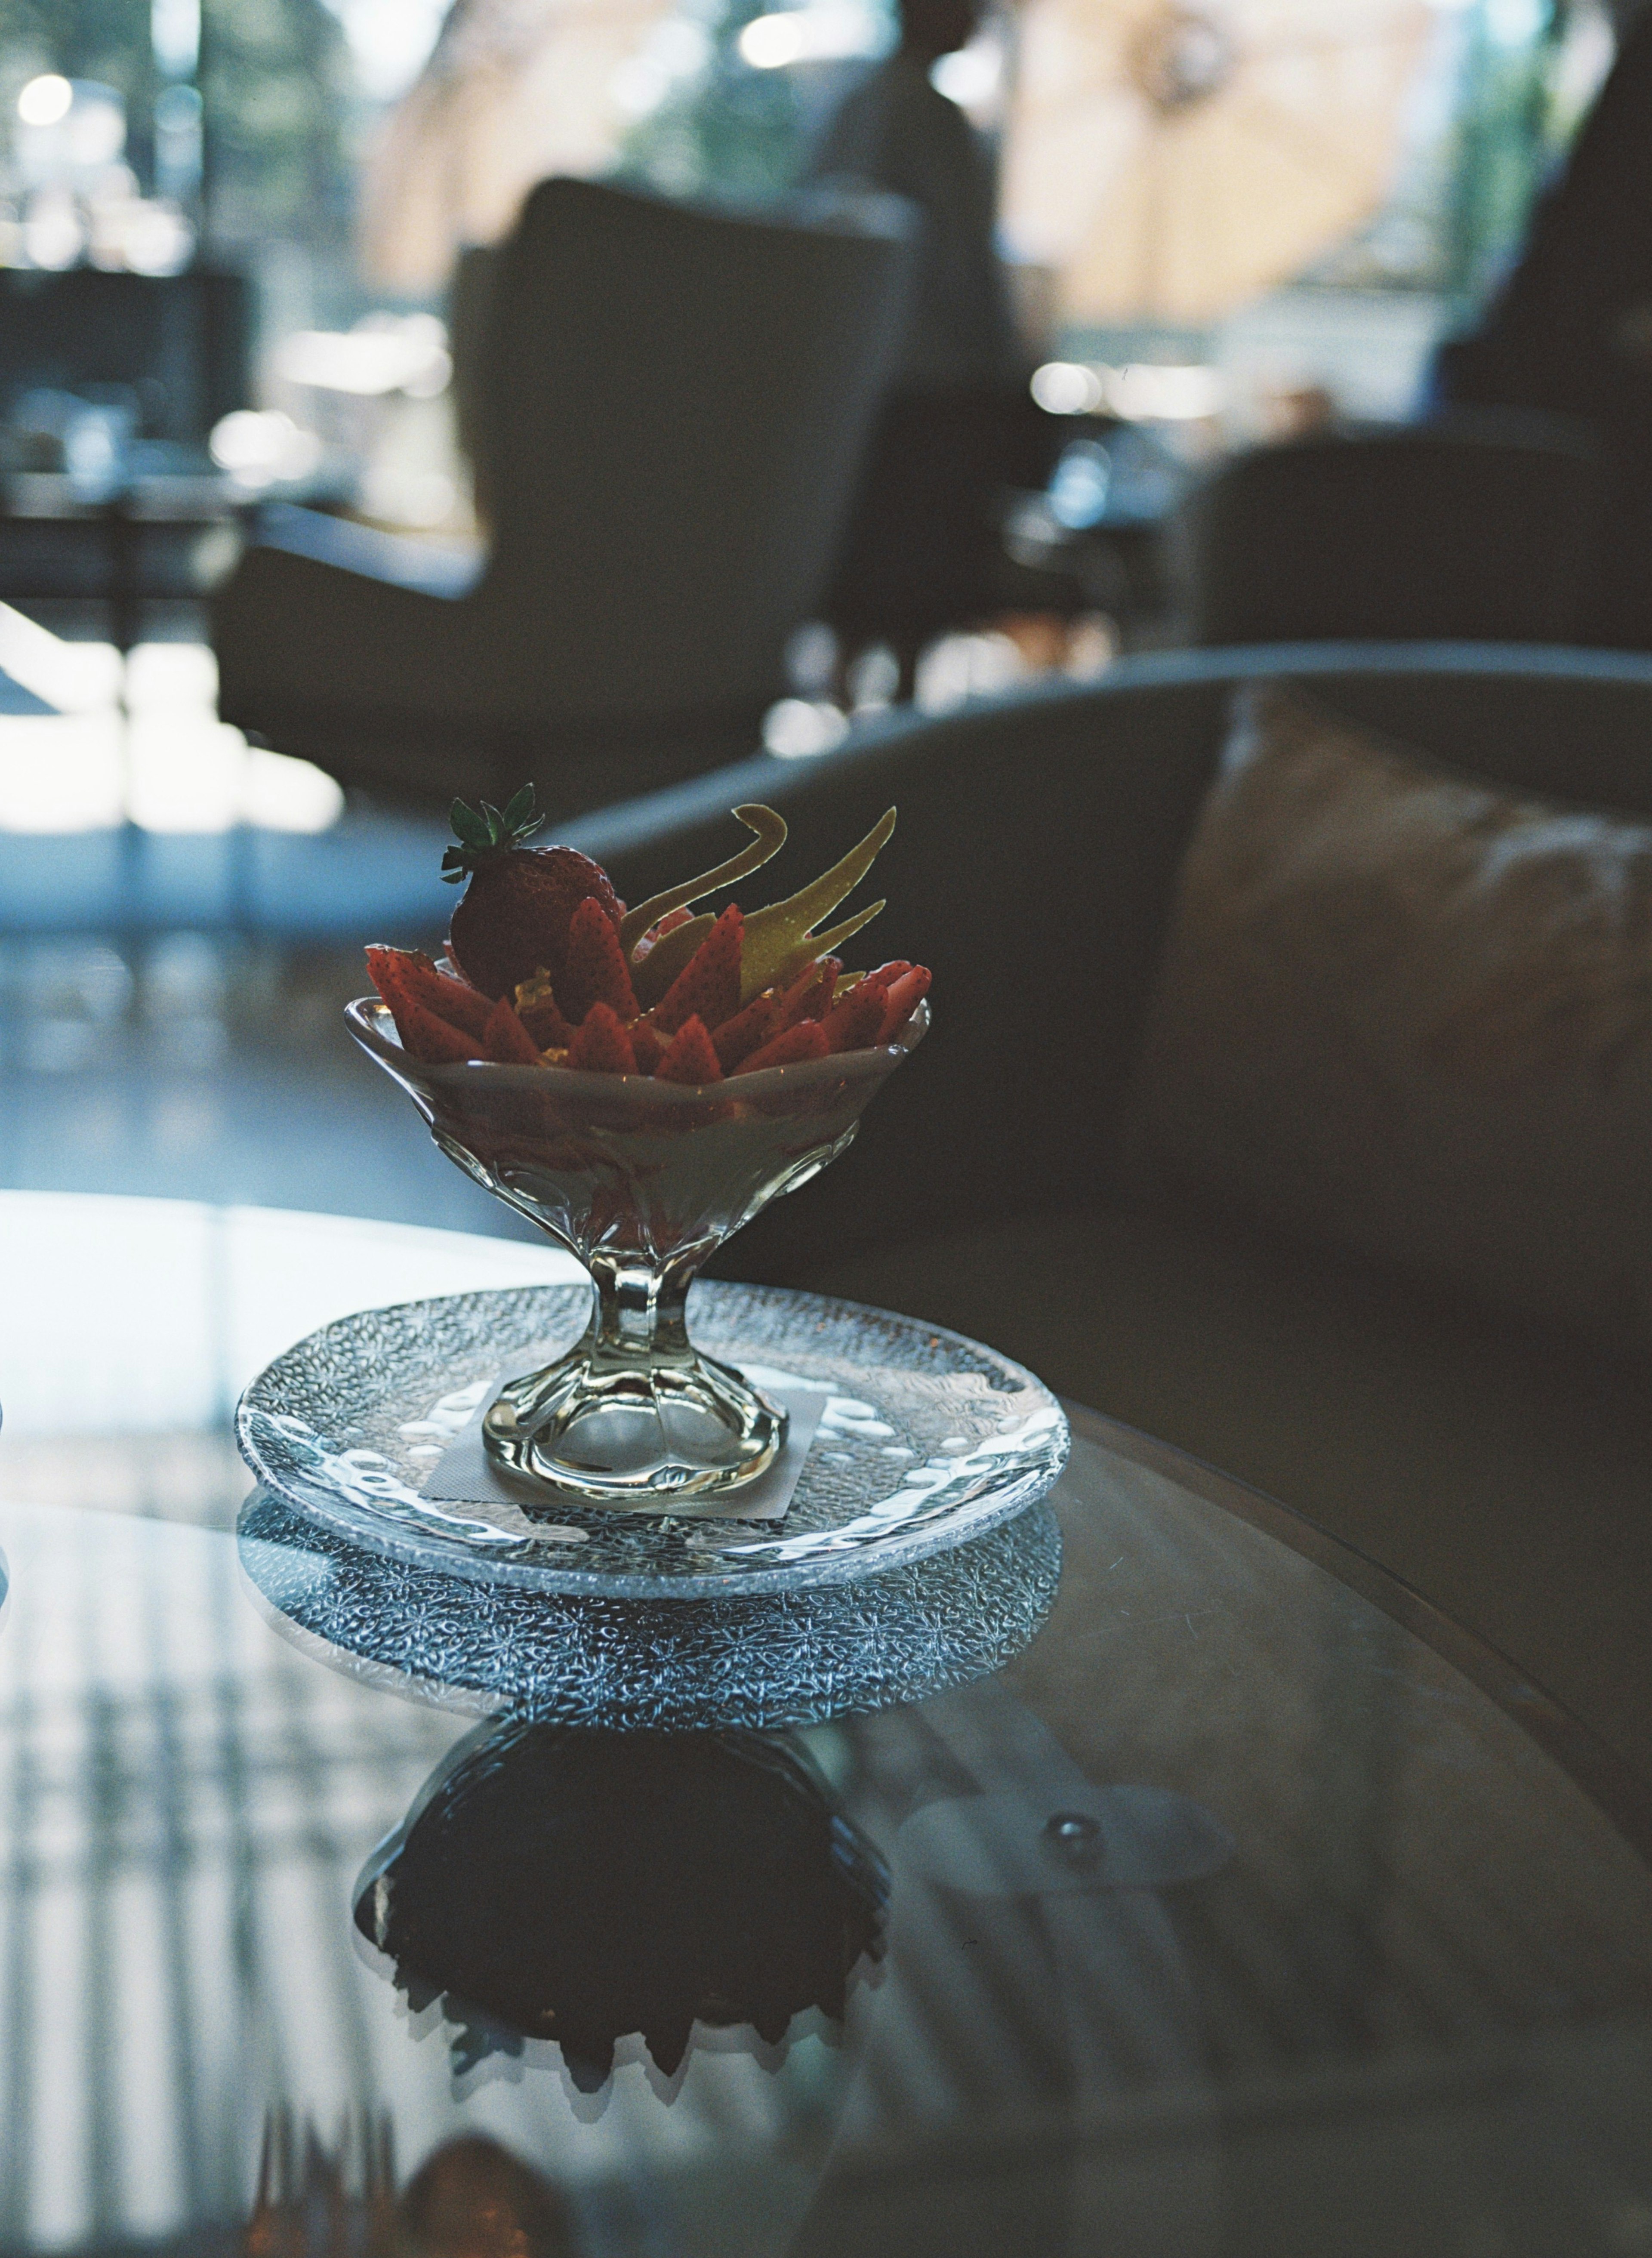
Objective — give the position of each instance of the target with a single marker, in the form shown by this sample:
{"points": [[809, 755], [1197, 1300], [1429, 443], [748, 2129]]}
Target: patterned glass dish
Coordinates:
{"points": [[926, 1440], [643, 1181], [757, 1662]]}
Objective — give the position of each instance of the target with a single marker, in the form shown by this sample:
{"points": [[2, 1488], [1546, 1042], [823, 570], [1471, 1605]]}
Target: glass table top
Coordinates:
{"points": [[1251, 1908]]}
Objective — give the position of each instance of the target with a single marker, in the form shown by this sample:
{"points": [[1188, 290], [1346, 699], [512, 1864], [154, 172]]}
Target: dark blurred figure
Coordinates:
{"points": [[923, 549], [894, 132], [1570, 333]]}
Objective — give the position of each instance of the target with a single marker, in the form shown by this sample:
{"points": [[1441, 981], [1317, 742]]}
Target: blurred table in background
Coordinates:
{"points": [[178, 346], [135, 535]]}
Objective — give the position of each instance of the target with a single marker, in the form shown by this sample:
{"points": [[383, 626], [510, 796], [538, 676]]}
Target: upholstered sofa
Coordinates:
{"points": [[1502, 1468]]}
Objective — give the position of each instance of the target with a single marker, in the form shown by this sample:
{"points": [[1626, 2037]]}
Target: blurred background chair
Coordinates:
{"points": [[1496, 1464], [1468, 530], [922, 552], [669, 408]]}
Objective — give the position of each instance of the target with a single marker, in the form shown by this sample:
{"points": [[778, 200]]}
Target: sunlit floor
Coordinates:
{"points": [[127, 808], [180, 923], [197, 1066], [139, 741], [209, 1068]]}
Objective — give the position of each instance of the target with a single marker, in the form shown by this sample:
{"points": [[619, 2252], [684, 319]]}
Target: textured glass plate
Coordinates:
{"points": [[762, 1663], [926, 1441]]}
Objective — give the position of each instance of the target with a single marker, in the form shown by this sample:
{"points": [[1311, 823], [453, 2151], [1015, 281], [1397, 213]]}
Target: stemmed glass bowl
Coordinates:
{"points": [[642, 1180]]}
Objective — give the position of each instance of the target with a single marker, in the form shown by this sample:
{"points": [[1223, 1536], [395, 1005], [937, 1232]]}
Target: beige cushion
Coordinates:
{"points": [[1409, 1015], [1506, 1475]]}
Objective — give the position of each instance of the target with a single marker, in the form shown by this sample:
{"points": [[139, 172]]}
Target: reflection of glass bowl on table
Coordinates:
{"points": [[579, 1887], [643, 1181]]}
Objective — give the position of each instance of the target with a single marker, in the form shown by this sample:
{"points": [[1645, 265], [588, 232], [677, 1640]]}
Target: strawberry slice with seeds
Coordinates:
{"points": [[430, 1038], [600, 1044], [801, 999], [857, 1022], [739, 1036], [813, 998], [505, 1041], [457, 1003], [648, 1044], [901, 1000], [408, 974], [708, 986], [689, 1055], [596, 970], [805, 1040]]}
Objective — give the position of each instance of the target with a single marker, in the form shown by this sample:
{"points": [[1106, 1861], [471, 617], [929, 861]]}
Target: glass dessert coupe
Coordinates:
{"points": [[642, 1180]]}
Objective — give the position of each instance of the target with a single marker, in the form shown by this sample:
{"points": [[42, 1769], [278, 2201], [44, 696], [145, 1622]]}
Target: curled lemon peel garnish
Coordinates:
{"points": [[778, 941], [770, 829], [781, 940]]}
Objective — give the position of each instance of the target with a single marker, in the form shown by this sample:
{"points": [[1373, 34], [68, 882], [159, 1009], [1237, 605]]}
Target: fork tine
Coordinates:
{"points": [[381, 2187], [285, 2160], [268, 2228], [266, 2162]]}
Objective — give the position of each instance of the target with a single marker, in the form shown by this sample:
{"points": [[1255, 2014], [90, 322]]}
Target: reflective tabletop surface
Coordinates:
{"points": [[1250, 1908]]}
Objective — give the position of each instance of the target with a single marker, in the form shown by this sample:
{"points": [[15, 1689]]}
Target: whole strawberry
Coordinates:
{"points": [[514, 919]]}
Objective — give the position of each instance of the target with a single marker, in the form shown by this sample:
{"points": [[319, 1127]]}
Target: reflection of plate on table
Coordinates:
{"points": [[926, 1441], [760, 1661]]}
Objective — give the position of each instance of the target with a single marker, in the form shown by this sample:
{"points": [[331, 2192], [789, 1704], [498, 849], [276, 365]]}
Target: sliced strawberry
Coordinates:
{"points": [[813, 999], [690, 1056], [596, 972], [505, 1041], [648, 1044], [600, 1044], [430, 1038], [901, 1000], [809, 996], [388, 970], [857, 1022], [708, 986], [887, 975], [459, 1003], [398, 973], [805, 1040], [544, 1021], [741, 1034], [790, 999]]}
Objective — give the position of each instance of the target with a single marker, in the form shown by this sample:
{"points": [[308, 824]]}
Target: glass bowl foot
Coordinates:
{"points": [[686, 1430]]}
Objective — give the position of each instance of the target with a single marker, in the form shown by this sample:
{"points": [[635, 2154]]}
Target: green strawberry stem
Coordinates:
{"points": [[488, 831]]}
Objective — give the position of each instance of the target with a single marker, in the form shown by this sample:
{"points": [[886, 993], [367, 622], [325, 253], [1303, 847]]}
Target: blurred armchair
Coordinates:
{"points": [[1471, 529], [1501, 1467], [670, 405]]}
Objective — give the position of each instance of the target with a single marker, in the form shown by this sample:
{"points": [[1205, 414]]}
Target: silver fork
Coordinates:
{"points": [[314, 2201]]}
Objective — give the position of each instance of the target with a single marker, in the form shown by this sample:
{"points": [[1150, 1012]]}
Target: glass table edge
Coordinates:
{"points": [[1610, 1783]]}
